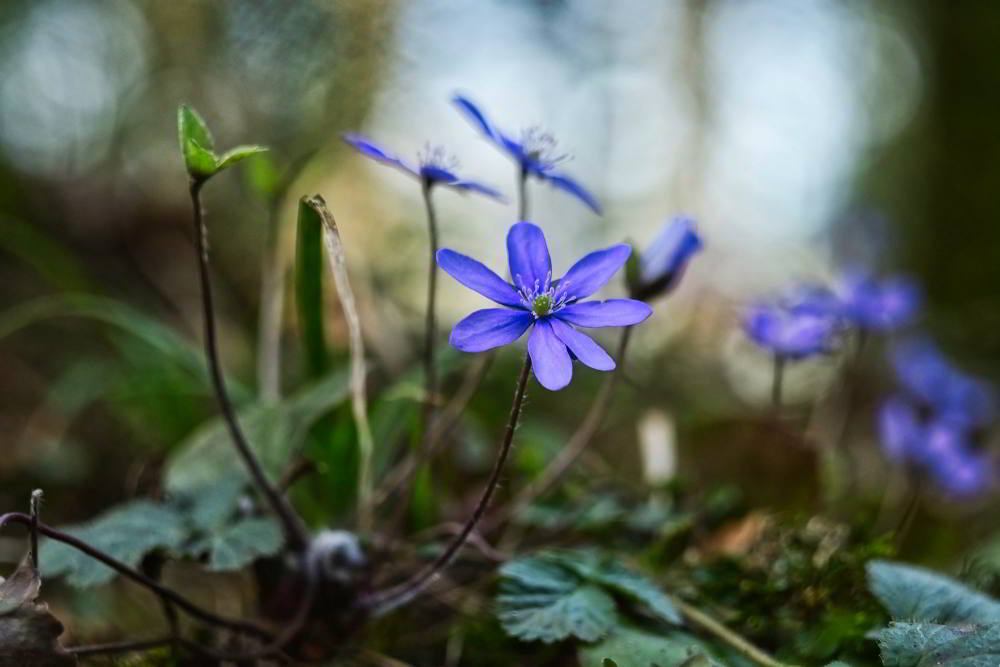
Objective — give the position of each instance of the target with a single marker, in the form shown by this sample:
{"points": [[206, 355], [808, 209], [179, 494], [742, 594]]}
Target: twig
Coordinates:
{"points": [[114, 648], [701, 620], [36, 502], [131, 573], [295, 531], [272, 298], [382, 602], [359, 392], [398, 477], [576, 445]]}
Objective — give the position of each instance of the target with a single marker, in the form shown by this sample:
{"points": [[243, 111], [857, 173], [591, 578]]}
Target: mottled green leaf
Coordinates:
{"points": [[274, 433], [127, 532], [916, 594], [238, 544], [933, 645], [542, 601], [603, 570], [630, 647]]}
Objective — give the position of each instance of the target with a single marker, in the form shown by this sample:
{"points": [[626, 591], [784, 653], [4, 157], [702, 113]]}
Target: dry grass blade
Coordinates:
{"points": [[359, 400]]}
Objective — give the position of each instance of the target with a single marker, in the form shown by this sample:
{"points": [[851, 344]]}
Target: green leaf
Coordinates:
{"points": [[127, 532], [238, 154], [933, 645], [630, 647], [542, 601], [209, 507], [915, 594], [238, 544], [196, 143], [274, 433], [604, 571], [309, 288]]}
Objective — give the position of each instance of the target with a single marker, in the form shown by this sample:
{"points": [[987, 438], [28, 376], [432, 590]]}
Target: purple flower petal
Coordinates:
{"points": [[472, 112], [478, 278], [664, 260], [582, 346], [591, 273], [489, 328], [366, 147], [528, 255], [549, 357], [610, 313], [567, 184], [473, 186]]}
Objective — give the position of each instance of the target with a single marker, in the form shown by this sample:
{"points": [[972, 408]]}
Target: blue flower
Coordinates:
{"points": [[790, 331], [551, 308], [435, 167], [879, 305], [933, 380], [899, 429], [535, 152], [663, 263]]}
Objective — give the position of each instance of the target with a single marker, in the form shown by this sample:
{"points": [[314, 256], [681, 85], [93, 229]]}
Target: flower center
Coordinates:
{"points": [[542, 305], [436, 157], [543, 298], [541, 147]]}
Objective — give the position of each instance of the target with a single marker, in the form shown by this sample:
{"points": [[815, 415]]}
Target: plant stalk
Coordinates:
{"points": [[383, 602], [295, 531], [522, 195], [706, 623]]}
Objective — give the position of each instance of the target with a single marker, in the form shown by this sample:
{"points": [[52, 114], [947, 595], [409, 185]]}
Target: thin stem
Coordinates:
{"points": [[115, 648], [430, 325], [272, 297], [522, 195], [131, 573], [295, 531], [777, 380], [36, 502], [398, 477], [701, 620], [382, 602], [576, 445]]}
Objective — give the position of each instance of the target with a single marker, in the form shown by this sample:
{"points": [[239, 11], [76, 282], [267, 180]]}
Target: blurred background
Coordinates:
{"points": [[806, 138]]}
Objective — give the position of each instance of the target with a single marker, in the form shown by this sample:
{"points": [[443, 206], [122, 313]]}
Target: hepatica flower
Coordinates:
{"points": [[434, 167], [933, 423], [879, 305], [662, 265], [534, 151], [552, 309], [790, 332]]}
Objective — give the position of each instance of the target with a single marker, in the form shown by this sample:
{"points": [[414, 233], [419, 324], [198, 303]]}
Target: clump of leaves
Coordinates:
{"points": [[591, 597], [205, 524], [800, 590], [936, 620]]}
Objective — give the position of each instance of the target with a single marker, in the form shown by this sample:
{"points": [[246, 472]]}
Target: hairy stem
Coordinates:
{"points": [[382, 602], [576, 445], [430, 326], [295, 531], [777, 380], [522, 195], [706, 623], [36, 502]]}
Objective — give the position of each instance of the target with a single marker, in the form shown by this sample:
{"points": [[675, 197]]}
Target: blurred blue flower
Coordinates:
{"points": [[899, 429], [535, 152], [874, 305], [790, 332], [933, 380], [663, 263], [552, 307], [435, 167]]}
